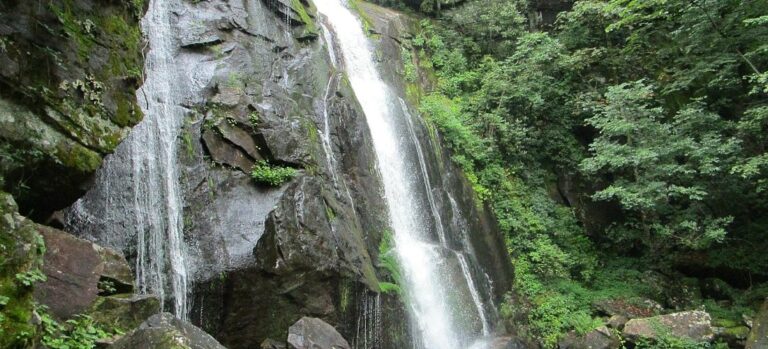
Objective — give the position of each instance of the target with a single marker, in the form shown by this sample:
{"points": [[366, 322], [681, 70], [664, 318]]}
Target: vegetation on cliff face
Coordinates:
{"points": [[626, 141], [68, 84]]}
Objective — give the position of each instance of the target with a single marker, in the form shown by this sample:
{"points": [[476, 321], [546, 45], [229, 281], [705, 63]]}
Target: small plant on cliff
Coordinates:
{"points": [[388, 261], [28, 278], [273, 175], [80, 332]]}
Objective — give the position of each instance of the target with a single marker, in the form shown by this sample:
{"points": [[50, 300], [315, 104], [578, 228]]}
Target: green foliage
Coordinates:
{"points": [[273, 175], [80, 332], [661, 167], [29, 278], [655, 110], [21, 252], [309, 23], [388, 261]]}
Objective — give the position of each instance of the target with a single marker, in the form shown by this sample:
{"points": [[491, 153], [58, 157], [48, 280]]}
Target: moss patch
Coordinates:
{"points": [[21, 251]]}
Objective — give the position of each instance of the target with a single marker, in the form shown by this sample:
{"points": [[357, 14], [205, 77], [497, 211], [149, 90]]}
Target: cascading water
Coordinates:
{"points": [[445, 304], [136, 203]]}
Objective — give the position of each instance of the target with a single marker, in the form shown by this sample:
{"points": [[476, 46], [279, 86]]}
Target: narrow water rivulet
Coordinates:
{"points": [[136, 203], [441, 293]]}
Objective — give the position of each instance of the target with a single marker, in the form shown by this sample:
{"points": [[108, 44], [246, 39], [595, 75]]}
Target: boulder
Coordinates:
{"points": [[758, 337], [599, 338], [74, 268], [617, 321], [629, 308], [164, 331], [225, 153], [125, 311], [693, 325], [272, 344], [313, 333], [735, 337], [499, 343]]}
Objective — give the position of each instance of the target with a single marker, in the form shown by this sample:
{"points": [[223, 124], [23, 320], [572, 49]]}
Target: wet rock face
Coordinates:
{"points": [[265, 100], [309, 231], [313, 333], [68, 75], [163, 331]]}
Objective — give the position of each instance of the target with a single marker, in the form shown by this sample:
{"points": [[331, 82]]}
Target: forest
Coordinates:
{"points": [[621, 146]]}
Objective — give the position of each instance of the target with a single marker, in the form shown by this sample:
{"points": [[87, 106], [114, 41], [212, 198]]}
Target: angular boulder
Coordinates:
{"points": [[164, 331], [74, 268], [272, 344], [599, 338], [758, 337], [125, 311], [617, 321], [499, 343], [313, 333], [693, 325], [629, 308]]}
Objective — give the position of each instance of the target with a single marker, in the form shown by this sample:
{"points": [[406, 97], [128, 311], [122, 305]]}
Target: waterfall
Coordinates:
{"points": [[444, 301], [136, 202]]}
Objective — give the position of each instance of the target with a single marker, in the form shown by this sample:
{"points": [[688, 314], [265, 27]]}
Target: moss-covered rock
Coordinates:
{"points": [[124, 311], [758, 337], [21, 251], [163, 331], [69, 70]]}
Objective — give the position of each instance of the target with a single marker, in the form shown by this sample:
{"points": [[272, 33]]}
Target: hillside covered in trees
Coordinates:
{"points": [[621, 144]]}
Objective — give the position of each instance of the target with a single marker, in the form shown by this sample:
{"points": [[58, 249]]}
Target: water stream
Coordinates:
{"points": [[445, 304], [136, 199]]}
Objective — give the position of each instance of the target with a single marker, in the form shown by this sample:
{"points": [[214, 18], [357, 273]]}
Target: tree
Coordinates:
{"points": [[661, 167]]}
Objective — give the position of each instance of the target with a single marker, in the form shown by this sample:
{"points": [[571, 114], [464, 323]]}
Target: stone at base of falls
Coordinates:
{"points": [[164, 331], [629, 308], [500, 343], [272, 344], [599, 338], [74, 268], [758, 337], [125, 311], [693, 325], [313, 333]]}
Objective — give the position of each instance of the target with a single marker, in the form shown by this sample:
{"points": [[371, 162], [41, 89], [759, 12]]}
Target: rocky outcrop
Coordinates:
{"points": [[164, 331], [758, 337], [627, 308], [69, 70], [124, 311], [313, 333], [692, 325], [265, 100], [501, 343], [599, 338], [78, 271]]}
